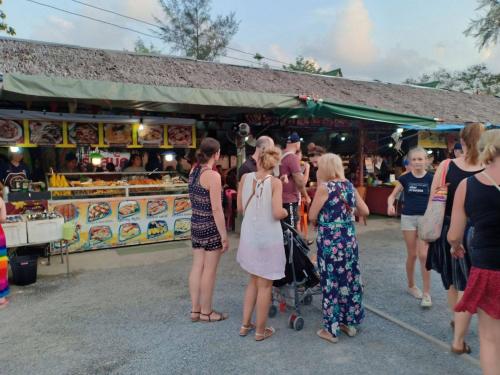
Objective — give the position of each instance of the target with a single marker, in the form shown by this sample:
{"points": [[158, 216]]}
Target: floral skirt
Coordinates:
{"points": [[340, 280]]}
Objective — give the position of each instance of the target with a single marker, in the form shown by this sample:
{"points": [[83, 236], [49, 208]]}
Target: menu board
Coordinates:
{"points": [[83, 134], [118, 134], [11, 132], [46, 133], [151, 135], [114, 222], [180, 135], [430, 139]]}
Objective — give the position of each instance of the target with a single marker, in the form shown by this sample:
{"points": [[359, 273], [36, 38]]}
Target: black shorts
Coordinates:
{"points": [[293, 214]]}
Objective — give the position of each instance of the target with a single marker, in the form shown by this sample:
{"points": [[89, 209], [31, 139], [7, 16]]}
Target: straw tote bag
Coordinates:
{"points": [[432, 222]]}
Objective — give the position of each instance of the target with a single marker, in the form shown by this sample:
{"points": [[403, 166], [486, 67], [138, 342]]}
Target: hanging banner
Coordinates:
{"points": [[83, 134], [46, 133], [151, 135], [430, 139], [11, 132], [181, 136], [117, 134]]}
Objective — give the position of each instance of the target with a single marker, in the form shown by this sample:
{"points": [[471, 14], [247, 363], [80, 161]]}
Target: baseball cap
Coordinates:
{"points": [[458, 146], [293, 138]]}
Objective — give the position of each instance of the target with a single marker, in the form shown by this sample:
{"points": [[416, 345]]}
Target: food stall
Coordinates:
{"points": [[107, 209]]}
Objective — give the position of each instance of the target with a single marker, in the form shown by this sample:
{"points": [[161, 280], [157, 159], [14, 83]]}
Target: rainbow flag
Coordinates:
{"points": [[4, 264]]}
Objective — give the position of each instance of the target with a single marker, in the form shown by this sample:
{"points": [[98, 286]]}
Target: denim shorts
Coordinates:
{"points": [[411, 222]]}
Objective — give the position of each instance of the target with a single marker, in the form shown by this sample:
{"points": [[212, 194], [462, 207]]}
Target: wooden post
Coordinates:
{"points": [[361, 152]]}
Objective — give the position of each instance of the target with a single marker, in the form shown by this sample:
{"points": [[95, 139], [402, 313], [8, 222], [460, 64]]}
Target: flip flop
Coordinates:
{"points": [[331, 339], [245, 330], [268, 332], [465, 349]]}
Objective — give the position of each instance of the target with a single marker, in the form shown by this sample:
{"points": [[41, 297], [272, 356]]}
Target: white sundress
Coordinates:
{"points": [[261, 251]]}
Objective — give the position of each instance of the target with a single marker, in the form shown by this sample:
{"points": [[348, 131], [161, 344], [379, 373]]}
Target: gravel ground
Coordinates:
{"points": [[133, 320]]}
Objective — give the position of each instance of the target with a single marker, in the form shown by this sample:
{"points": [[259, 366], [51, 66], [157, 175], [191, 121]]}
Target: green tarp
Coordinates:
{"points": [[326, 109], [118, 92], [189, 100]]}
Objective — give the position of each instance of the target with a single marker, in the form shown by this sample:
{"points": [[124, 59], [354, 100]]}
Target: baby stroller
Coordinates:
{"points": [[300, 279]]}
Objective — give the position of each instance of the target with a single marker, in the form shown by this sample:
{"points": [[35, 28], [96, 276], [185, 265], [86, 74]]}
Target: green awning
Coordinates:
{"points": [[136, 95], [326, 109]]}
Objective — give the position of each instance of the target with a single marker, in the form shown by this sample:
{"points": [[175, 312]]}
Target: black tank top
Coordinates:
{"points": [[454, 176], [482, 206]]}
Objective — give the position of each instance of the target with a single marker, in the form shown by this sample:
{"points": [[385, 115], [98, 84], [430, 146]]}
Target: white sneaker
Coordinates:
{"points": [[415, 292], [426, 301]]}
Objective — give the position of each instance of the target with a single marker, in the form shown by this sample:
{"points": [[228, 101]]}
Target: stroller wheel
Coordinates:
{"points": [[298, 323], [273, 310], [291, 320], [308, 299]]}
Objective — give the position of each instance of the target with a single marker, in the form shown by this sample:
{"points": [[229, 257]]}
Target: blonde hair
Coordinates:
{"points": [[269, 158], [470, 136], [414, 151], [489, 144], [330, 167]]}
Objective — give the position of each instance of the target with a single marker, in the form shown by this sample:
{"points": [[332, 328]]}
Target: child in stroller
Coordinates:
{"points": [[300, 278]]}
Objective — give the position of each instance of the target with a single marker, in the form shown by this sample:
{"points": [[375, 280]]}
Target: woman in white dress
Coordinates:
{"points": [[261, 251]]}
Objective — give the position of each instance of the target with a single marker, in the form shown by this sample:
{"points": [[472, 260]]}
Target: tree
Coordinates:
{"points": [[303, 65], [191, 30], [475, 79], [3, 26], [486, 29], [140, 47]]}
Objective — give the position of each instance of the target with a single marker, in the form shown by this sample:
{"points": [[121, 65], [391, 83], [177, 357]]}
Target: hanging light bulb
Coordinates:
{"points": [[96, 158], [14, 149], [391, 144], [141, 125], [169, 156], [343, 138]]}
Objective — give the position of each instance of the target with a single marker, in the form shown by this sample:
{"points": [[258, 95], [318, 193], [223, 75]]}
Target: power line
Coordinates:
{"points": [[95, 19], [130, 29], [155, 25], [115, 13]]}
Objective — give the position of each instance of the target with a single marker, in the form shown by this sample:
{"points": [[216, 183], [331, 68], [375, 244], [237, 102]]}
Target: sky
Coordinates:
{"points": [[388, 40]]}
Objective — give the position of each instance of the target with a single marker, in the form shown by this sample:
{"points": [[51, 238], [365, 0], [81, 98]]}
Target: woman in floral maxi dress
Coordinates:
{"points": [[333, 211]]}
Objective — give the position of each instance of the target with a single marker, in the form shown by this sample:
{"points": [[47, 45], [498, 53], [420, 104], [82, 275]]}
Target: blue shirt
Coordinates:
{"points": [[416, 192]]}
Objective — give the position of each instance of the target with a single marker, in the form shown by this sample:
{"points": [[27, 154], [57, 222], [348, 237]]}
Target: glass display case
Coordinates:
{"points": [[114, 184]]}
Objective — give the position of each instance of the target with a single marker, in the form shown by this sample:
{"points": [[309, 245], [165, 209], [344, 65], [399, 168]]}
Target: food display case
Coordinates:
{"points": [[121, 209]]}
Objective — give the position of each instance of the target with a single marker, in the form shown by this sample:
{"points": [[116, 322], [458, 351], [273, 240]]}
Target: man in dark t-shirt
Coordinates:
{"points": [[14, 170], [250, 165]]}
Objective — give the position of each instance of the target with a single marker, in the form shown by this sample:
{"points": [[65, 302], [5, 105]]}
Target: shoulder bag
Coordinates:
{"points": [[431, 223]]}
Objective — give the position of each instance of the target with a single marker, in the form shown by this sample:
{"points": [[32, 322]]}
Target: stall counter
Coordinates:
{"points": [[376, 198], [123, 221]]}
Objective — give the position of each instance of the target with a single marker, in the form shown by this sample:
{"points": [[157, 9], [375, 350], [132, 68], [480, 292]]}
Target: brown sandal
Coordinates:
{"points": [[222, 316], [245, 330], [268, 332], [325, 335], [194, 320], [465, 349]]}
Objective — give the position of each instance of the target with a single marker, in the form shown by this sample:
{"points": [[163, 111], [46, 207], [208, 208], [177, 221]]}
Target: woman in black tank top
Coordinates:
{"points": [[478, 199], [454, 272]]}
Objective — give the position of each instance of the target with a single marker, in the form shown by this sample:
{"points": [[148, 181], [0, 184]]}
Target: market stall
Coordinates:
{"points": [[107, 209]]}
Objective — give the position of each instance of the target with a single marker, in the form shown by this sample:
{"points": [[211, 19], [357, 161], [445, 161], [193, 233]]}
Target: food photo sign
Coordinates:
{"points": [[67, 134], [114, 222]]}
